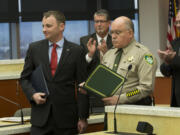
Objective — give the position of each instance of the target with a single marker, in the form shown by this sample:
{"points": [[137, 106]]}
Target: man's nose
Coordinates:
{"points": [[113, 35], [44, 29]]}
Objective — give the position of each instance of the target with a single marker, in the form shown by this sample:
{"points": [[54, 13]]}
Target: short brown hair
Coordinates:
{"points": [[57, 14]]}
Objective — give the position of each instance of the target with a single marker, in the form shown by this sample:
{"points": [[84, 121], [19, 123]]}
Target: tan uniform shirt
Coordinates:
{"points": [[140, 79]]}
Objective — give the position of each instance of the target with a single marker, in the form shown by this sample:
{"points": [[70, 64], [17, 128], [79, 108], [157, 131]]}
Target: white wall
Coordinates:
{"points": [[153, 19]]}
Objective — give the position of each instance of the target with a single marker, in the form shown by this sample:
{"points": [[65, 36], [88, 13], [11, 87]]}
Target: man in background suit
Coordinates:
{"points": [[95, 46], [62, 112], [94, 53], [171, 65]]}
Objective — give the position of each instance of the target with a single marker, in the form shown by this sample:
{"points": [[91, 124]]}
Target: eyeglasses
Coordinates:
{"points": [[100, 21]]}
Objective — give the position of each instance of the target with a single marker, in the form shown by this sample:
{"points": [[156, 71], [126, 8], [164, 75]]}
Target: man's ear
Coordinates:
{"points": [[62, 26], [131, 33]]}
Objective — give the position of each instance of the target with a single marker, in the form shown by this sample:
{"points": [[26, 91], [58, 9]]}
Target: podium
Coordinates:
{"points": [[165, 120]]}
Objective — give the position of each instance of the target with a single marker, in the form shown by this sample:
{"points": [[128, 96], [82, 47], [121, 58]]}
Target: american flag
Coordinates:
{"points": [[172, 31]]}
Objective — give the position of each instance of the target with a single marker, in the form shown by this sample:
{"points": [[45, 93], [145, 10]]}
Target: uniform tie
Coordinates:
{"points": [[54, 59], [117, 60]]}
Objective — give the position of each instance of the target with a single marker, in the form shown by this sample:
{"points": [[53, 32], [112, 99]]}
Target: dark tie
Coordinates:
{"points": [[53, 59], [117, 60]]}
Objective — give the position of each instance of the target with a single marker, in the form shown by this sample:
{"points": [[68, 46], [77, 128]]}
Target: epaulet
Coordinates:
{"points": [[138, 45]]}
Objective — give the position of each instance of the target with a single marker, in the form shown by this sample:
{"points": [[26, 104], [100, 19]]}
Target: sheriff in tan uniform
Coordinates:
{"points": [[140, 78]]}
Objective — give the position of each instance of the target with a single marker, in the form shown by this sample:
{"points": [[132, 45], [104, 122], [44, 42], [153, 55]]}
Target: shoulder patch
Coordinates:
{"points": [[149, 59]]}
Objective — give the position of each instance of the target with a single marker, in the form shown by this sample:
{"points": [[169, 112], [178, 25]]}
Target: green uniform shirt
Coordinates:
{"points": [[140, 79]]}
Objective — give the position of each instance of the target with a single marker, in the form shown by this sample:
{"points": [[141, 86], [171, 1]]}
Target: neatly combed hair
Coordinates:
{"points": [[104, 13], [57, 14]]}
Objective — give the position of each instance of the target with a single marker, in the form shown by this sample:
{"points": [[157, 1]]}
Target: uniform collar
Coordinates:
{"points": [[128, 47]]}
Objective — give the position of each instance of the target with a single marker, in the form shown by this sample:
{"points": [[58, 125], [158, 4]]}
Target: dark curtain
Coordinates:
{"points": [[32, 10], [118, 8], [9, 11]]}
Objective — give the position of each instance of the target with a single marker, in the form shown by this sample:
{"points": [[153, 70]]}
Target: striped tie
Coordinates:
{"points": [[100, 52]]}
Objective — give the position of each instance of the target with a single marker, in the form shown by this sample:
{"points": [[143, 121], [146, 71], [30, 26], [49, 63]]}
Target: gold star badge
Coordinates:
{"points": [[131, 58]]}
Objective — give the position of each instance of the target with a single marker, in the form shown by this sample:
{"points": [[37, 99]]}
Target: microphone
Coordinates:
{"points": [[115, 123], [17, 104], [17, 93]]}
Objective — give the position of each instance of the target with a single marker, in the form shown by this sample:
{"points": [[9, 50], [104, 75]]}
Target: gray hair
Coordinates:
{"points": [[103, 12], [129, 24]]}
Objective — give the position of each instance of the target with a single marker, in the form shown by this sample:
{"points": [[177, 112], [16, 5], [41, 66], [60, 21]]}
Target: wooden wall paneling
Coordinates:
{"points": [[162, 90], [8, 89]]}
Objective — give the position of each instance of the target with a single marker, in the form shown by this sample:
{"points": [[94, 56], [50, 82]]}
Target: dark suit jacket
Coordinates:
{"points": [[96, 104], [66, 108], [174, 70], [96, 58]]}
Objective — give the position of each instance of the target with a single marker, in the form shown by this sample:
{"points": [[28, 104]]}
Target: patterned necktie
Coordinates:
{"points": [[53, 59], [102, 40], [100, 52], [117, 60]]}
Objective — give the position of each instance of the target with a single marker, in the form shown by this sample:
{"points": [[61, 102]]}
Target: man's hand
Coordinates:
{"points": [[110, 100], [39, 98], [82, 125], [81, 90], [91, 45], [167, 55], [103, 47]]}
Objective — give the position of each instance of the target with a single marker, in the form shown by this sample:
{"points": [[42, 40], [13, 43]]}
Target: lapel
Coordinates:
{"points": [[65, 53], [45, 59]]}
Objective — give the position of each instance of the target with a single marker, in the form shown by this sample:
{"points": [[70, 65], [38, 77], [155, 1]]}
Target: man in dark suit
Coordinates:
{"points": [[171, 65], [64, 111], [100, 38], [95, 46]]}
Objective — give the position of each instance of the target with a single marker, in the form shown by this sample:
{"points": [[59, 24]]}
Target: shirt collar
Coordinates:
{"points": [[99, 38], [127, 48], [59, 43]]}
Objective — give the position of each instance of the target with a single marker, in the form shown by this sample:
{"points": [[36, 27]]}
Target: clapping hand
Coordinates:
{"points": [[91, 45], [103, 47], [167, 55]]}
